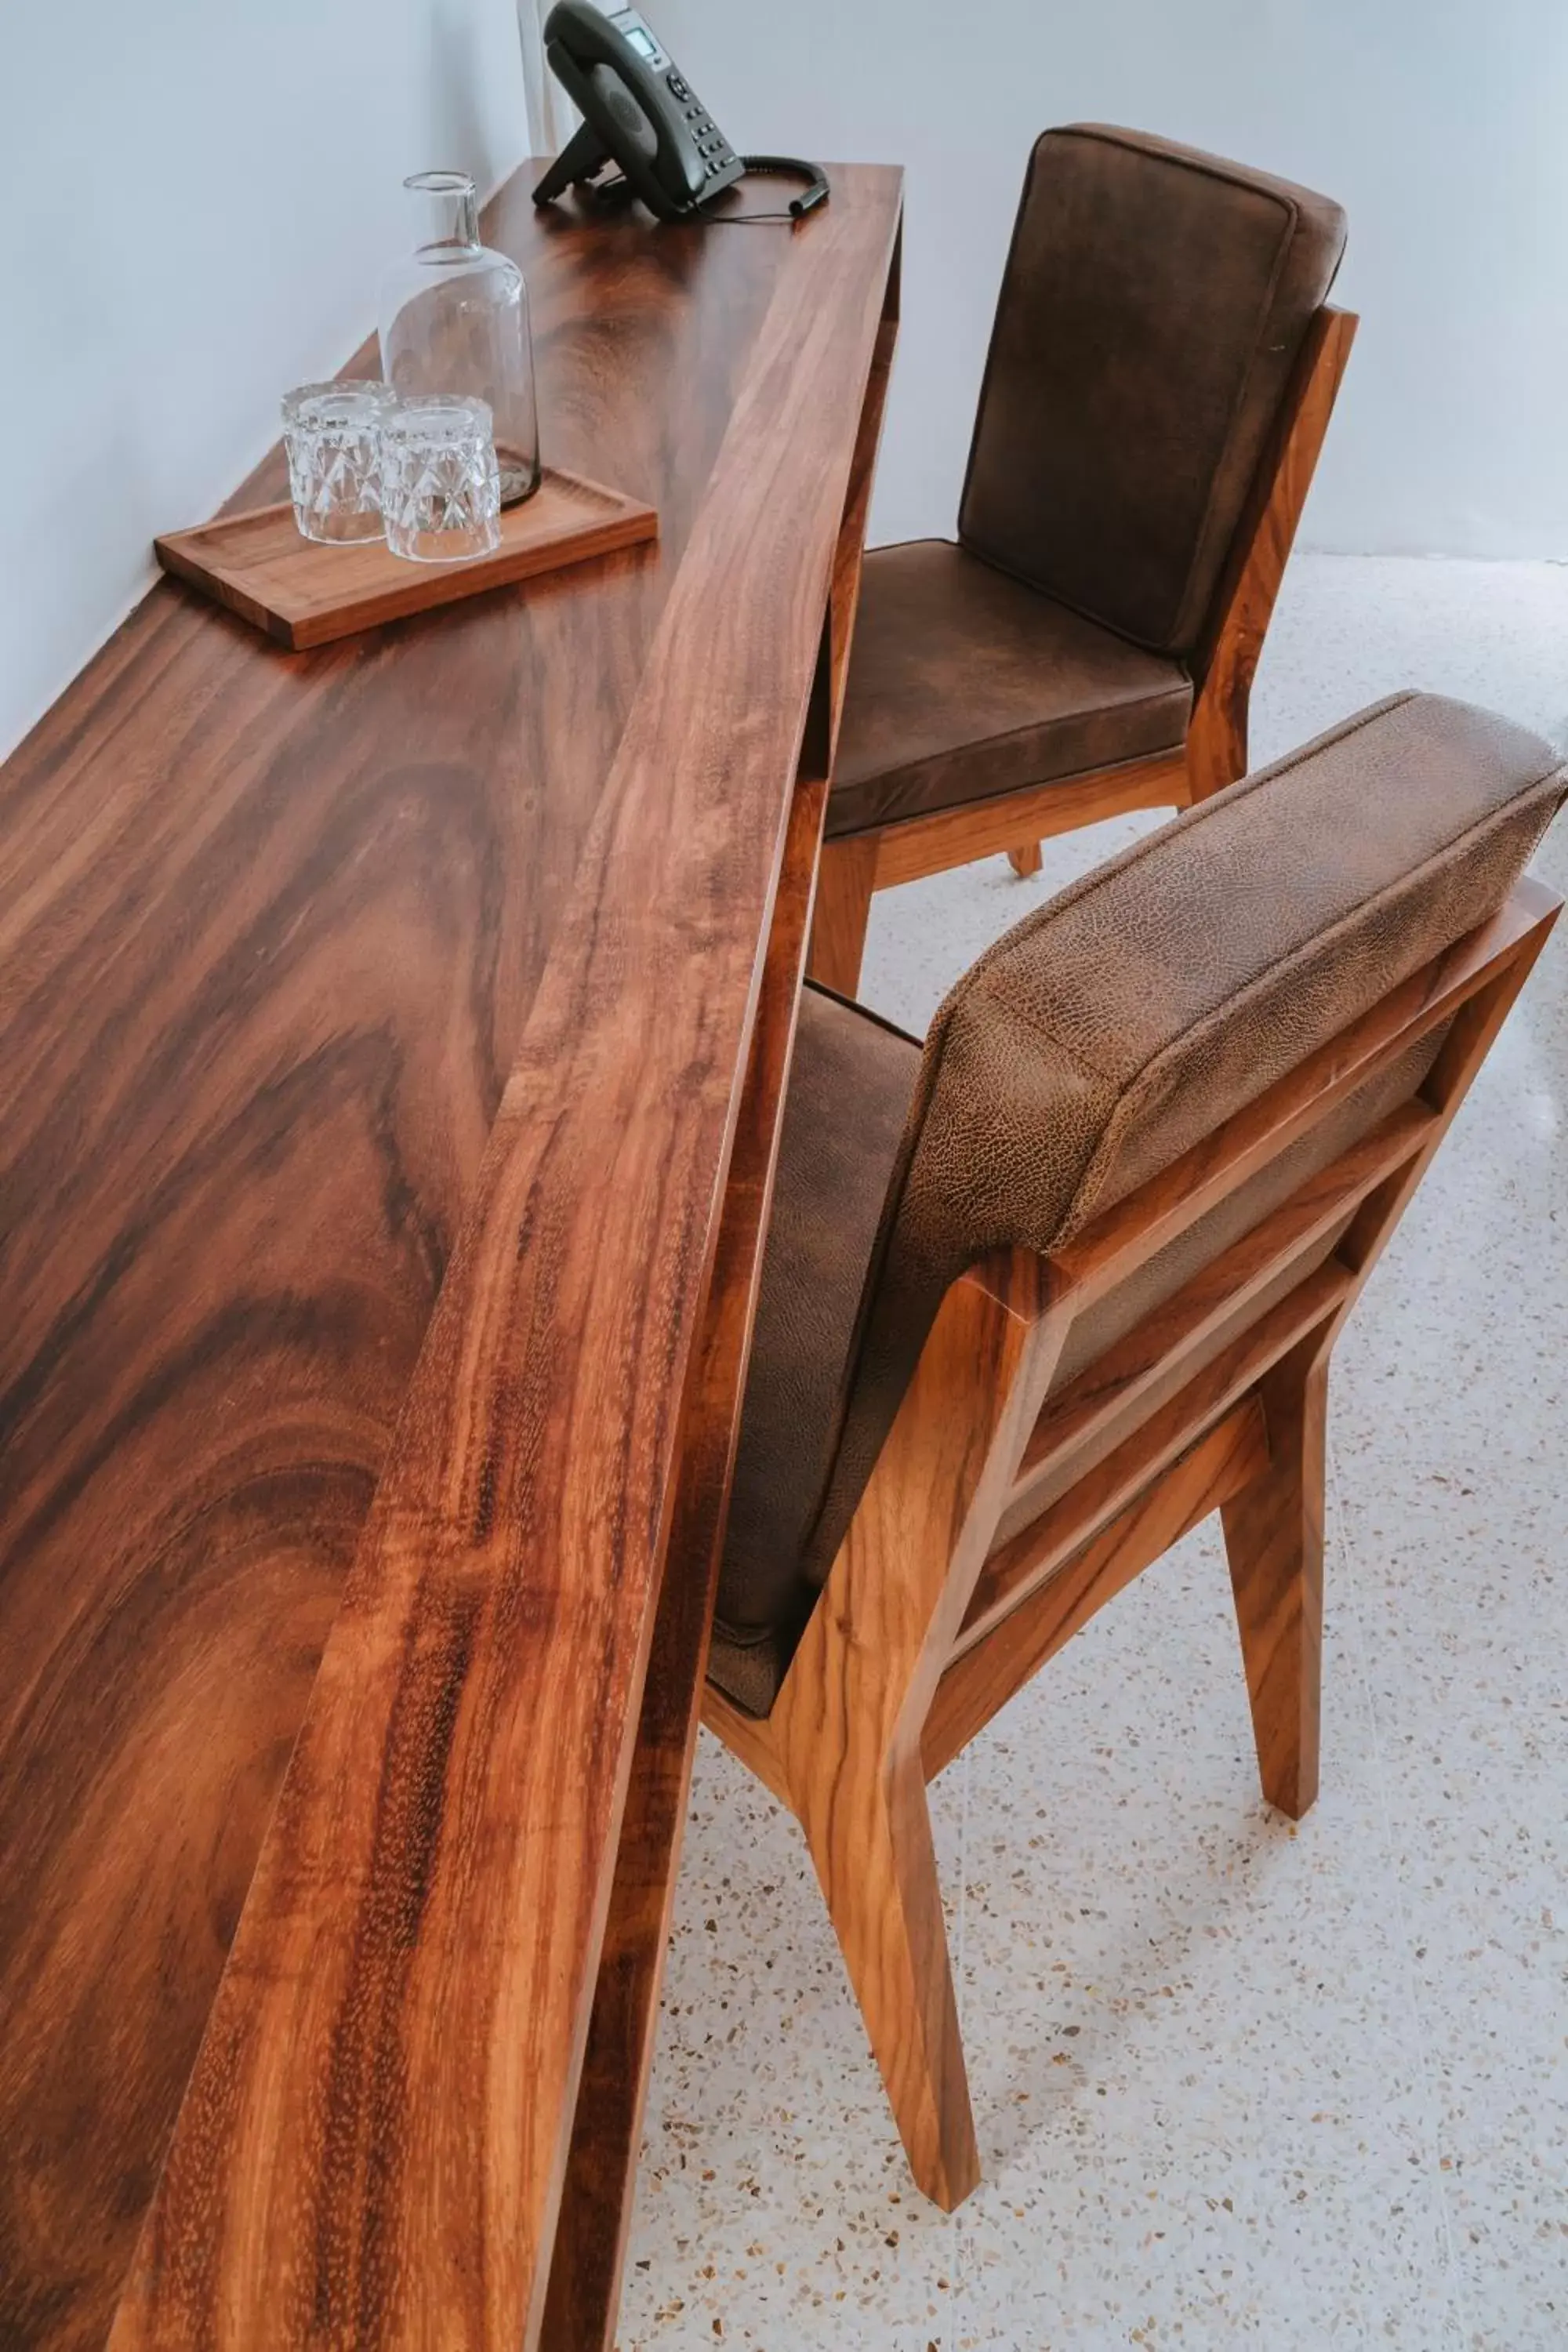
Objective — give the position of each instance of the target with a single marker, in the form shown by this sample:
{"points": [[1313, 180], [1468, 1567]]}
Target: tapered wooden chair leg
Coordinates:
{"points": [[877, 1867], [1025, 861], [1274, 1541], [844, 883]]}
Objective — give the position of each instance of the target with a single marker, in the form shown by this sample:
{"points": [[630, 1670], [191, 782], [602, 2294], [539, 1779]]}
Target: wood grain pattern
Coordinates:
{"points": [[1227, 663], [844, 597], [999, 1516], [1274, 1543], [257, 565], [931, 845], [835, 915], [846, 880], [590, 2239], [589, 2250], [378, 2123], [847, 1725], [272, 925], [748, 1737]]}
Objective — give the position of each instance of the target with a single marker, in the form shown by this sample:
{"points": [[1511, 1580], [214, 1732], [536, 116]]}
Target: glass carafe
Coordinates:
{"points": [[454, 318]]}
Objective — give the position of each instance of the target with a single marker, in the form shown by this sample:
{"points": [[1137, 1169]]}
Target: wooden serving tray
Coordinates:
{"points": [[305, 594]]}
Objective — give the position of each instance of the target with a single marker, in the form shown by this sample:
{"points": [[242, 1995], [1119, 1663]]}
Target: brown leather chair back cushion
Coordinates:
{"points": [[1152, 308], [1125, 1020]]}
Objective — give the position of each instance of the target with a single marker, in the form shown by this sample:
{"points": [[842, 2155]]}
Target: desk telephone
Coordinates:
{"points": [[640, 113]]}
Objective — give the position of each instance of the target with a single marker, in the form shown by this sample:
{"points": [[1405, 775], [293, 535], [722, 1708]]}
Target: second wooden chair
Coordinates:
{"points": [[1037, 1298], [1162, 371]]}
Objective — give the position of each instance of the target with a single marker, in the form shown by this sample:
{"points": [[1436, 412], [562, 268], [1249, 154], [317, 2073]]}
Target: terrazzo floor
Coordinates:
{"points": [[1236, 2083]]}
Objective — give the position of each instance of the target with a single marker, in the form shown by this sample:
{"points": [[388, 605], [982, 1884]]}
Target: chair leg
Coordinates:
{"points": [[1216, 749], [1274, 1541], [1025, 861], [845, 879], [845, 1731], [870, 1839]]}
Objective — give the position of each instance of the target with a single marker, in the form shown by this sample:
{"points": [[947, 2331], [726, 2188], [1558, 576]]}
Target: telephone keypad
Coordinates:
{"points": [[709, 139], [715, 155], [713, 151]]}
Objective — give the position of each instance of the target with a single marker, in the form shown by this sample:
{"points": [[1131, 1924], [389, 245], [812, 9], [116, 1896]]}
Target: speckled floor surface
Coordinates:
{"points": [[1236, 2083]]}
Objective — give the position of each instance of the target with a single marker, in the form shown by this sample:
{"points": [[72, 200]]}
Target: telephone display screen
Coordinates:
{"points": [[640, 41]]}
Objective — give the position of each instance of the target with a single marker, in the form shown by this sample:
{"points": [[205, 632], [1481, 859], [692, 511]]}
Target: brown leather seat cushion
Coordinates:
{"points": [[1151, 310], [964, 684], [1086, 1051], [849, 1088]]}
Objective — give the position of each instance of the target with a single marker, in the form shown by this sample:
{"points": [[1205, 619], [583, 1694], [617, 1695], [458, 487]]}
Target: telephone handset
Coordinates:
{"points": [[639, 112]]}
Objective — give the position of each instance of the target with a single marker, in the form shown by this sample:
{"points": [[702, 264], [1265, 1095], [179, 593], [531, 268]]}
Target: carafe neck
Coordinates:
{"points": [[447, 212]]}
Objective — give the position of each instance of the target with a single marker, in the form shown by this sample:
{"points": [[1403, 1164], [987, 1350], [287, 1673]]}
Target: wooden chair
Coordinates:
{"points": [[1038, 1298], [1161, 373]]}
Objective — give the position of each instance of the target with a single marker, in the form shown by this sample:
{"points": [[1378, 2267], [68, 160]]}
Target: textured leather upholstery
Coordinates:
{"points": [[1082, 1055], [964, 684], [1151, 310], [850, 1084]]}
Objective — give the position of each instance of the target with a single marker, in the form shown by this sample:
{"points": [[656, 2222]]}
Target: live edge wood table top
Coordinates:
{"points": [[387, 1036]]}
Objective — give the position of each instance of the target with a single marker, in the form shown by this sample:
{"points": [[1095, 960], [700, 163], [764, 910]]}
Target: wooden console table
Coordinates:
{"points": [[392, 1045]]}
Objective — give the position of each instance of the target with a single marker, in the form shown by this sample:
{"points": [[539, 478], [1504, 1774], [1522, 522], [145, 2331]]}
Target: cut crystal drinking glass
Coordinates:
{"points": [[332, 435], [454, 319], [440, 485]]}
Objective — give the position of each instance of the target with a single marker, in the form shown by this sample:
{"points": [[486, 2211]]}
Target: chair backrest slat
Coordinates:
{"points": [[1051, 1539], [984, 1674], [1193, 1349], [1083, 1420]]}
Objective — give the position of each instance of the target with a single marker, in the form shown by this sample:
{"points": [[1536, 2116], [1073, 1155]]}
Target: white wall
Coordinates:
{"points": [[199, 198], [1441, 125]]}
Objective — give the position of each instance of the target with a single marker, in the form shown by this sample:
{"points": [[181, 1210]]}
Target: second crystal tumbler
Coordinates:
{"points": [[439, 484], [454, 319]]}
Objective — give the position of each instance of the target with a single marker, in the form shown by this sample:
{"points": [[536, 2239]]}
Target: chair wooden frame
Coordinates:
{"points": [[998, 1520], [855, 865]]}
